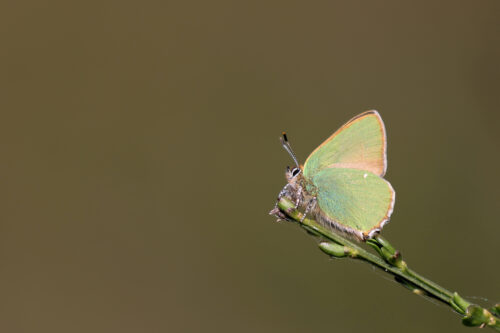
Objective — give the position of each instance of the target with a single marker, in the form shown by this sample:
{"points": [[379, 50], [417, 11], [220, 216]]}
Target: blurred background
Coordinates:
{"points": [[140, 158]]}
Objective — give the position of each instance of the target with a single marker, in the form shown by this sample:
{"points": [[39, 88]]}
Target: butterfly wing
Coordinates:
{"points": [[359, 144], [355, 201]]}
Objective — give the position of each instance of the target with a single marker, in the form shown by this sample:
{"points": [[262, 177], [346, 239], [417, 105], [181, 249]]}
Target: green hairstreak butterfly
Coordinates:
{"points": [[341, 182]]}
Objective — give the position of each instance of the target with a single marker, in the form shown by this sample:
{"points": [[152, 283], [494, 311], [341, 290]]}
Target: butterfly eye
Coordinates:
{"points": [[295, 172]]}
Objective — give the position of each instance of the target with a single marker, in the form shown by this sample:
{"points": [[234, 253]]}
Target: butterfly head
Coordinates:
{"points": [[293, 174]]}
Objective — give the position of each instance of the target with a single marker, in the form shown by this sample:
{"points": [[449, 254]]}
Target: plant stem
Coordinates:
{"points": [[390, 261]]}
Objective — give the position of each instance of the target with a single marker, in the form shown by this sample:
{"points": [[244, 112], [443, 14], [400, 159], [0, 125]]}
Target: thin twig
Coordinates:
{"points": [[390, 261]]}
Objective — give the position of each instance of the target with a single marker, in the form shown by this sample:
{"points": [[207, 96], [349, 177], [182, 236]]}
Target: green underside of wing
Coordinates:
{"points": [[354, 198], [359, 145]]}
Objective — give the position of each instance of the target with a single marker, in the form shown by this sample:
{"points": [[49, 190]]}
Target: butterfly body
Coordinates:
{"points": [[341, 182]]}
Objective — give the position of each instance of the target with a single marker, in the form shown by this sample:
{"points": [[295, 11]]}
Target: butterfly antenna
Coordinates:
{"points": [[288, 148]]}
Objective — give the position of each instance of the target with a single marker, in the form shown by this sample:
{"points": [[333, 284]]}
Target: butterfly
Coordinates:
{"points": [[341, 183]]}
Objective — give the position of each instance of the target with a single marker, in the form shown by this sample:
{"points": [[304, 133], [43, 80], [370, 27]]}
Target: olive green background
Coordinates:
{"points": [[140, 157]]}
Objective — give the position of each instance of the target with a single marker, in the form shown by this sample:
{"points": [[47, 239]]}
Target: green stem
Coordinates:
{"points": [[391, 262]]}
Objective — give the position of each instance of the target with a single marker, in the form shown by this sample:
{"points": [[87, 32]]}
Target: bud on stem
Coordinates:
{"points": [[337, 250]]}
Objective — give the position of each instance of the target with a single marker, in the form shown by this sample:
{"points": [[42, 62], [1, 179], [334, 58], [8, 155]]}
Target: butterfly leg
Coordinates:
{"points": [[299, 197], [310, 206], [276, 211], [283, 192]]}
